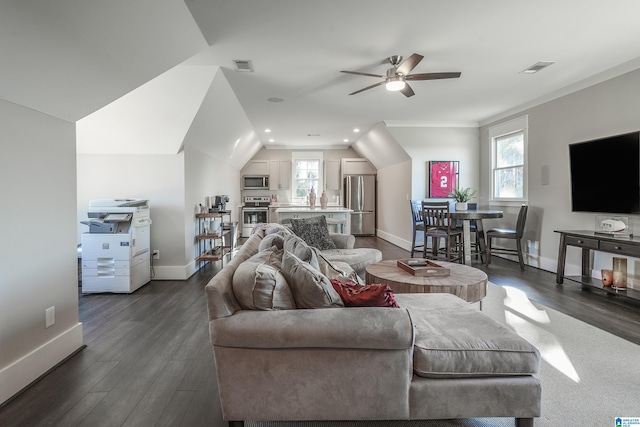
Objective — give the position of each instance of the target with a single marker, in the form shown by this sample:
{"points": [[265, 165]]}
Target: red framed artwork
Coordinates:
{"points": [[443, 178]]}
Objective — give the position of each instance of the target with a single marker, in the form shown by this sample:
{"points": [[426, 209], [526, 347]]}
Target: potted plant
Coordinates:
{"points": [[462, 196]]}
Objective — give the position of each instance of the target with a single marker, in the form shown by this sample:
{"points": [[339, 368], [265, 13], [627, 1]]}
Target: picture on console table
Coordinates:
{"points": [[443, 178]]}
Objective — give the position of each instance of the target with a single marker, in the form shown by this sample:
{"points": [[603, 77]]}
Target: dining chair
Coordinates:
{"points": [[506, 233], [417, 224], [438, 225]]}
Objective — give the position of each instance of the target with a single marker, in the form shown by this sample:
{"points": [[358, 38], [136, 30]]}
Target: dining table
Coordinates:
{"points": [[466, 217]]}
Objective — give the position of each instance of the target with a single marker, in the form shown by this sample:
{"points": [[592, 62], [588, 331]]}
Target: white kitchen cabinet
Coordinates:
{"points": [[285, 174], [280, 174], [332, 175], [256, 167], [357, 166]]}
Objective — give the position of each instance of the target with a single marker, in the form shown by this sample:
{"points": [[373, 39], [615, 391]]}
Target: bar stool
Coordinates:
{"points": [[438, 225]]}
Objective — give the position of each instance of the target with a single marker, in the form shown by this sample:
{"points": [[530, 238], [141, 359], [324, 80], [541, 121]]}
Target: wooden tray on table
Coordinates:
{"points": [[423, 267]]}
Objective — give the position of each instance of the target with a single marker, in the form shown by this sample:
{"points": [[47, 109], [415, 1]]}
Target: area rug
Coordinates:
{"points": [[589, 377]]}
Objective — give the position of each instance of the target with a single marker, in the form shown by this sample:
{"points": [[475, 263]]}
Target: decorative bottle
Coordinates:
{"points": [[323, 200], [312, 198]]}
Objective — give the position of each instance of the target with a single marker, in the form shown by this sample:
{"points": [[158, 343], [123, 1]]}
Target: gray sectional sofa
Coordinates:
{"points": [[435, 357]]}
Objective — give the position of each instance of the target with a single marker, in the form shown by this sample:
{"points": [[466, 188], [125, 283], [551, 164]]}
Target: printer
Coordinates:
{"points": [[116, 249]]}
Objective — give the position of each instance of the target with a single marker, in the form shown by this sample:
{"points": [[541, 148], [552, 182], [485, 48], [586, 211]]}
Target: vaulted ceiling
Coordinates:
{"points": [[148, 76]]}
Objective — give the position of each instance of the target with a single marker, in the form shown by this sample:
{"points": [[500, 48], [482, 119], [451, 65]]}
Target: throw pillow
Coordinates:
{"points": [[299, 248], [310, 288], [356, 295], [273, 228], [333, 271], [258, 283], [271, 240], [313, 231]]}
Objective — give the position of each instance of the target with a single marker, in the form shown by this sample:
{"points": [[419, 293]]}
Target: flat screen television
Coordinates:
{"points": [[605, 175]]}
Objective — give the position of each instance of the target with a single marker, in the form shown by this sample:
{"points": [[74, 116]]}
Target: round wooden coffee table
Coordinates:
{"points": [[465, 282]]}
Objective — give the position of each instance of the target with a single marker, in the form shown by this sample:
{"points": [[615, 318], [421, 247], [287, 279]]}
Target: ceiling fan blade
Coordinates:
{"points": [[408, 65], [368, 87], [358, 73], [407, 91], [432, 76]]}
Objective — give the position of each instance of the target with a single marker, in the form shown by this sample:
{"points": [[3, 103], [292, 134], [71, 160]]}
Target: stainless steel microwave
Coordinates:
{"points": [[255, 182]]}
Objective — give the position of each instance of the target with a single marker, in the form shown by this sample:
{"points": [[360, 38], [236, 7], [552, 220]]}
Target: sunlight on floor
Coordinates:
{"points": [[528, 322], [517, 300]]}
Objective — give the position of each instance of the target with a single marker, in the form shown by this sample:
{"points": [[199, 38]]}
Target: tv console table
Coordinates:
{"points": [[591, 241]]}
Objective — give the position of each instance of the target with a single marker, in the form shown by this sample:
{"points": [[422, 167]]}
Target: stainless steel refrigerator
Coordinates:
{"points": [[360, 195]]}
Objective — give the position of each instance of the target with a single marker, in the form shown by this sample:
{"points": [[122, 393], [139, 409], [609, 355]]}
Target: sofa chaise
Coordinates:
{"points": [[435, 357]]}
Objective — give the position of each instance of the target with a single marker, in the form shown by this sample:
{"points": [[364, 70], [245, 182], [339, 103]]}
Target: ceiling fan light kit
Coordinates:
{"points": [[395, 83], [396, 76]]}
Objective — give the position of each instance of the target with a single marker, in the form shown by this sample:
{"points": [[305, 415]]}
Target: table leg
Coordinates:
{"points": [[562, 257], [482, 243], [466, 239]]}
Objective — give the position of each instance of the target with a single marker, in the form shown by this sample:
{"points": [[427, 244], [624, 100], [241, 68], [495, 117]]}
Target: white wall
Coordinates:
{"points": [[393, 184], [425, 144], [206, 176], [38, 262], [158, 178], [422, 144], [380, 147], [608, 108]]}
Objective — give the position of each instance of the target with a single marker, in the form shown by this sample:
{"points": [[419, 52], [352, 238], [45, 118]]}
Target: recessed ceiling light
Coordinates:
{"points": [[275, 99], [271, 140], [345, 140], [356, 130], [267, 130]]}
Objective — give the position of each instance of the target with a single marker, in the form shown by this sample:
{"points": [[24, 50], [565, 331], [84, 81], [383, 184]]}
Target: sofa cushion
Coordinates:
{"points": [[454, 340], [310, 288], [270, 240], [275, 228], [357, 295], [299, 248], [258, 283], [358, 258], [314, 231], [336, 269]]}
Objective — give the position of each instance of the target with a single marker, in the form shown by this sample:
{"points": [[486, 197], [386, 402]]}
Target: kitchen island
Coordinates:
{"points": [[338, 218]]}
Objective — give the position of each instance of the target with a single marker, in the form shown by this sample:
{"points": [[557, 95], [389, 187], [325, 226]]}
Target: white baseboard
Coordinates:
{"points": [[398, 241], [28, 368], [170, 272], [178, 272]]}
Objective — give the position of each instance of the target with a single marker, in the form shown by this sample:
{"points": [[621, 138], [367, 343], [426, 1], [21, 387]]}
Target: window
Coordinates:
{"points": [[509, 166], [307, 173]]}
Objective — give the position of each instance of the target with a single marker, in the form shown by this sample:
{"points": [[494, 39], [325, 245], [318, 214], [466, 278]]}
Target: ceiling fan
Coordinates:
{"points": [[398, 75]]}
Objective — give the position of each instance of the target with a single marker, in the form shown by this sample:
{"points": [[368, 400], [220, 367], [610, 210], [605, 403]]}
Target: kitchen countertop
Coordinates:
{"points": [[328, 209]]}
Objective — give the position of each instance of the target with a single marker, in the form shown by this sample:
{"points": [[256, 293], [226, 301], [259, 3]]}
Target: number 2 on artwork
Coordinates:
{"points": [[443, 181]]}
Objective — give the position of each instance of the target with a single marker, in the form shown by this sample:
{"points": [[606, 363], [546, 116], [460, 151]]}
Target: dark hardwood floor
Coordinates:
{"points": [[148, 360]]}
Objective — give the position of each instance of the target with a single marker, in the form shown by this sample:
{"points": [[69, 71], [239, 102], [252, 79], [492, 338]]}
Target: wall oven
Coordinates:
{"points": [[255, 210], [255, 182]]}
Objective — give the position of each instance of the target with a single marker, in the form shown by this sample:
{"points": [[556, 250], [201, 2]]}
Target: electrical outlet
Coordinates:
{"points": [[50, 317], [156, 254]]}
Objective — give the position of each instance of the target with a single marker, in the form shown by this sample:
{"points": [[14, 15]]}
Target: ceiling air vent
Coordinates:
{"points": [[537, 67], [243, 65]]}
